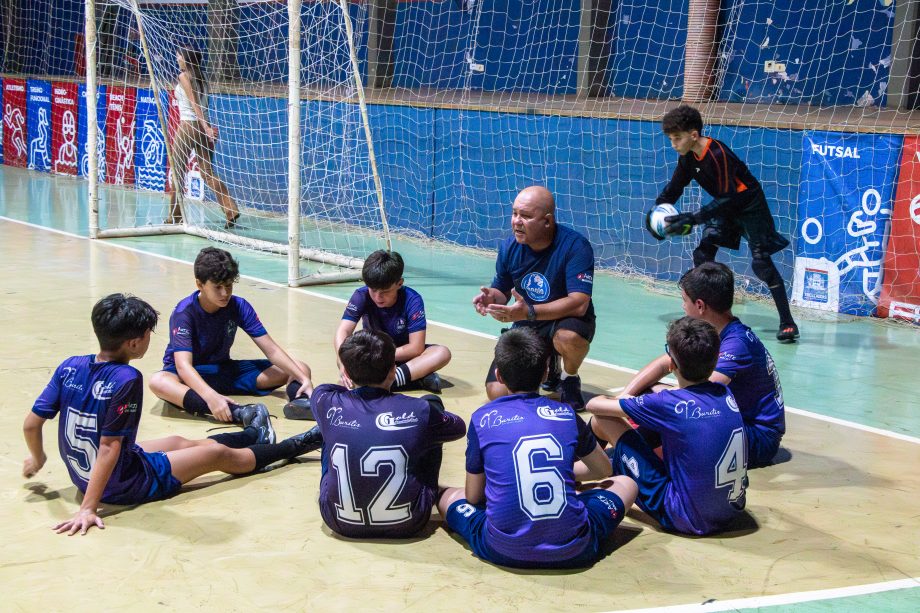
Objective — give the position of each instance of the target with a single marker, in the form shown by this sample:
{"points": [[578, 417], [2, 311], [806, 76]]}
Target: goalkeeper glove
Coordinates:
{"points": [[680, 225]]}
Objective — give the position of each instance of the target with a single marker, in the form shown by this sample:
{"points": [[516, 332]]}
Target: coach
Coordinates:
{"points": [[549, 270]]}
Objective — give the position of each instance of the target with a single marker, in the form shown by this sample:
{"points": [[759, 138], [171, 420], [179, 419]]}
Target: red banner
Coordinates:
{"points": [[15, 148], [64, 128], [119, 135], [900, 296]]}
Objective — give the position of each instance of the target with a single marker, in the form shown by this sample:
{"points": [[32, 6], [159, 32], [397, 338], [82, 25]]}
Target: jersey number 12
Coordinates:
{"points": [[381, 510]]}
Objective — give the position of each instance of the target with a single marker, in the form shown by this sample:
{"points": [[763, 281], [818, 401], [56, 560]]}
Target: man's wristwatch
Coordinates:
{"points": [[531, 312]]}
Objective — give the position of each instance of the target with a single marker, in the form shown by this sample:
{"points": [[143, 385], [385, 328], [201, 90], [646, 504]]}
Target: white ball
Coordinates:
{"points": [[656, 216]]}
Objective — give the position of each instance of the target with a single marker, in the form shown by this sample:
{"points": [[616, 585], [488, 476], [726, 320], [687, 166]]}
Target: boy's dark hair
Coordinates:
{"points": [[711, 282], [368, 356], [684, 118], [382, 269], [521, 357], [217, 265], [693, 344], [120, 317]]}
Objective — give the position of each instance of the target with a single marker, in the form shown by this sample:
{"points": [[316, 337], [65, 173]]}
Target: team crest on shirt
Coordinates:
{"points": [[555, 413], [388, 421], [536, 286], [231, 328], [103, 390], [400, 325], [732, 403]]}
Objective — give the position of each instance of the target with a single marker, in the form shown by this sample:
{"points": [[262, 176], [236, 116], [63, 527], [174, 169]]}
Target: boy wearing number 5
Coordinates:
{"points": [[381, 451], [698, 486], [519, 507]]}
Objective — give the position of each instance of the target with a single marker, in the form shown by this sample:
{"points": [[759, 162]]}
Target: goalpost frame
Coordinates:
{"points": [[293, 248]]}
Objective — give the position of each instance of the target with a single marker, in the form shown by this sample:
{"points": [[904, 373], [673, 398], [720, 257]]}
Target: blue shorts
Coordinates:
{"points": [[762, 445], [233, 376], [605, 512], [633, 457], [163, 485]]}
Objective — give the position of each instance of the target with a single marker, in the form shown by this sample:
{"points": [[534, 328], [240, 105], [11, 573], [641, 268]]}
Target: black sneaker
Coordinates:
{"points": [[299, 408], [552, 377], [787, 333], [571, 393], [431, 383], [256, 416], [305, 442]]}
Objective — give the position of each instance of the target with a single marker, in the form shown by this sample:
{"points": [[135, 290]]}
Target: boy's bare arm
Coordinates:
{"points": [[32, 431], [101, 472], [280, 358], [414, 348], [475, 488]]}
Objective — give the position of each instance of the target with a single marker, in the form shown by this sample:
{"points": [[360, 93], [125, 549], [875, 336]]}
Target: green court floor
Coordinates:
{"points": [[852, 370]]}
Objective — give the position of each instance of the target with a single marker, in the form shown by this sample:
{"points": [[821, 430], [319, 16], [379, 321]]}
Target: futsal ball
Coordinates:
{"points": [[655, 219]]}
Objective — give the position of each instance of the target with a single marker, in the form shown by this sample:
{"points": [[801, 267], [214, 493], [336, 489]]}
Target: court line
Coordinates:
{"points": [[802, 412], [784, 599]]}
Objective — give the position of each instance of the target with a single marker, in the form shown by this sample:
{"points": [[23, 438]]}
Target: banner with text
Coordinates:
{"points": [[15, 152], [845, 200], [64, 154], [1, 121], [901, 286], [119, 135], [38, 119], [150, 154], [82, 145]]}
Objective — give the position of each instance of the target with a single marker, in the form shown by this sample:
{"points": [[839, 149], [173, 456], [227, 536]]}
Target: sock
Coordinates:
{"points": [[403, 376], [292, 388], [782, 304], [195, 404], [563, 375], [269, 454], [237, 440]]}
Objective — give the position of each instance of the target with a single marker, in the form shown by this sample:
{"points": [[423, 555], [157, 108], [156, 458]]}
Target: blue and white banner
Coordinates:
{"points": [[150, 145], [845, 201], [38, 122], [82, 145]]}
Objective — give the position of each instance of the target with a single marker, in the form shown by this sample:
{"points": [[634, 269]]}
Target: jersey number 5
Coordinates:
{"points": [[81, 452], [541, 491], [381, 510]]}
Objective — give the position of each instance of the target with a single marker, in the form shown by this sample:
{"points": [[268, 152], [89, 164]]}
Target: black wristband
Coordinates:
{"points": [[531, 312]]}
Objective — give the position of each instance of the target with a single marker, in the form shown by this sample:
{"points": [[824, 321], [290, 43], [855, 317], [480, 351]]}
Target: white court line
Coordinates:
{"points": [[783, 599], [834, 420]]}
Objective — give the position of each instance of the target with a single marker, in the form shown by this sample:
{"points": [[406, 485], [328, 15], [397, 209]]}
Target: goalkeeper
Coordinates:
{"points": [[739, 207]]}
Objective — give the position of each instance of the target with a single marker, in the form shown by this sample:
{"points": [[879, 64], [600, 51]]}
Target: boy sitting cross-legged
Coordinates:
{"points": [[100, 399], [519, 506]]}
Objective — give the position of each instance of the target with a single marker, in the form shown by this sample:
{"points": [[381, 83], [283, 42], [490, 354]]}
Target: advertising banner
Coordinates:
{"points": [[64, 152], [38, 120], [150, 154], [901, 286], [15, 151], [1, 121], [845, 200], [82, 145], [119, 135]]}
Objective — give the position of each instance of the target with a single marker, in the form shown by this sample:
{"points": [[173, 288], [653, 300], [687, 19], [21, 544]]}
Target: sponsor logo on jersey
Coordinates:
{"points": [[631, 464], [388, 421], [351, 307], [611, 506], [103, 390], [835, 151], [732, 403], [334, 417], [585, 277], [536, 286], [179, 331], [724, 355], [69, 374], [417, 315], [128, 407], [555, 413], [493, 419]]}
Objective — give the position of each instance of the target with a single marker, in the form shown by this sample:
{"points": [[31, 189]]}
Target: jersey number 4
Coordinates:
{"points": [[732, 468], [81, 451], [381, 510]]}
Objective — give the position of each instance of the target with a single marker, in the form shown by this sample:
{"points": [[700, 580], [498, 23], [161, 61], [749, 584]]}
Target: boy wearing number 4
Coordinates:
{"points": [[699, 485], [381, 451], [519, 507], [739, 207]]}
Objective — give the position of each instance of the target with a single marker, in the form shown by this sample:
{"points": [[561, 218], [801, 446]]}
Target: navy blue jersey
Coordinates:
{"points": [[754, 379], [719, 171], [209, 336], [407, 315], [565, 267], [702, 441], [97, 399], [527, 446], [381, 458]]}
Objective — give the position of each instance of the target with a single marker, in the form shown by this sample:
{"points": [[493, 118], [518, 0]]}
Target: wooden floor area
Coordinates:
{"points": [[841, 509]]}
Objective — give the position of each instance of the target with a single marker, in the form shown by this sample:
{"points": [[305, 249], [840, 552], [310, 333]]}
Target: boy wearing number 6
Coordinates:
{"points": [[519, 507], [739, 207], [699, 485], [381, 451]]}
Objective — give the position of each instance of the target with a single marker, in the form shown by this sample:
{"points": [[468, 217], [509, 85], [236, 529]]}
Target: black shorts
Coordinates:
{"points": [[582, 326], [753, 221]]}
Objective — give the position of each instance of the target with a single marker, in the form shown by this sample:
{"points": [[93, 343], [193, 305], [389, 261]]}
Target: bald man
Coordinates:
{"points": [[549, 271]]}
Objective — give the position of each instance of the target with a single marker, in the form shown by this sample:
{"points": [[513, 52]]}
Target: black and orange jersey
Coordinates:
{"points": [[718, 171]]}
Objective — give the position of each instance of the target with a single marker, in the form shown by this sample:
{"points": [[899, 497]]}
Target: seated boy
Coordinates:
{"points": [[100, 397], [385, 304], [744, 365], [519, 506], [699, 487], [382, 451], [197, 369]]}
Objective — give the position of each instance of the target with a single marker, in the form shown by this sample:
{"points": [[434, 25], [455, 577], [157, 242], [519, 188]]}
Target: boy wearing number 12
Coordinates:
{"points": [[519, 507]]}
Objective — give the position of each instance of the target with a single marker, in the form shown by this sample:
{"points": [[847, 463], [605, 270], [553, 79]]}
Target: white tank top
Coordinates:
{"points": [[186, 112]]}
